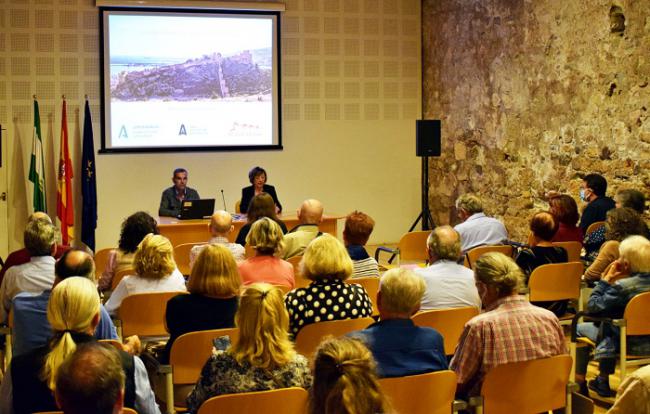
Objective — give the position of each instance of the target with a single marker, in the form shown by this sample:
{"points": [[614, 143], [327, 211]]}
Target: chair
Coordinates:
{"points": [[248, 251], [310, 336], [118, 276], [449, 322], [182, 256], [238, 207], [528, 387], [101, 258], [186, 359], [593, 227], [411, 247], [281, 401], [472, 255], [554, 282], [143, 314], [430, 393], [573, 249], [371, 285], [301, 282]]}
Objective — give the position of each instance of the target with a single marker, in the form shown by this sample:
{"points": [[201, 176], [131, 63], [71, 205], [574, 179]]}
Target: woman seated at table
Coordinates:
{"points": [[265, 238], [214, 287], [155, 272], [261, 206], [257, 177], [262, 358]]}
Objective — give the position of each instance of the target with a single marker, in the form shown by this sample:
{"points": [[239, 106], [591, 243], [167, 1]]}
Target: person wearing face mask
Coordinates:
{"points": [[257, 177], [592, 191]]}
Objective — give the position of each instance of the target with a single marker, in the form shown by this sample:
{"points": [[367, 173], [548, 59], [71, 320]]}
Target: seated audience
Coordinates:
{"points": [[592, 191], [541, 250], [327, 264], [511, 329], [155, 272], [633, 396], [220, 227], [263, 358], [91, 380], [630, 198], [627, 277], [310, 215], [345, 381], [448, 284], [257, 176], [214, 286], [261, 206], [266, 239], [476, 228], [73, 311], [565, 211], [356, 233], [36, 275], [134, 228], [620, 223], [399, 347]]}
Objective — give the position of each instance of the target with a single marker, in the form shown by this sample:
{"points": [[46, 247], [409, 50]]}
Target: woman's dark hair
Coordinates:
{"points": [[623, 222], [262, 205], [633, 199], [254, 172], [134, 228], [564, 209]]}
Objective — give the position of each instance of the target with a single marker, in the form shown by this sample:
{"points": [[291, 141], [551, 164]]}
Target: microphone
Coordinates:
{"points": [[223, 198]]}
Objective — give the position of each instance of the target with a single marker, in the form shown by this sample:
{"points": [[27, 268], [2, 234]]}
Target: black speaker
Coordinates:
{"points": [[427, 137]]}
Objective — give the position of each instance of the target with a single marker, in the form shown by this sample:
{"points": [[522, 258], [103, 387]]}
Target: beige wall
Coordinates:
{"points": [[351, 77]]}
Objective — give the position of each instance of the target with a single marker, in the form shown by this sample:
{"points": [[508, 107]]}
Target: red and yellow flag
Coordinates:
{"points": [[64, 207]]}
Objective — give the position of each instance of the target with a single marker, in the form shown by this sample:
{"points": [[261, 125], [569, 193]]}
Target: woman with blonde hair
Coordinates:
{"points": [[262, 358], [344, 380], [214, 287], [327, 264], [266, 238], [73, 313], [155, 272]]}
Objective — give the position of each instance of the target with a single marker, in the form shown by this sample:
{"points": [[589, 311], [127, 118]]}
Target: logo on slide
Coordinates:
{"points": [[123, 133], [182, 131]]}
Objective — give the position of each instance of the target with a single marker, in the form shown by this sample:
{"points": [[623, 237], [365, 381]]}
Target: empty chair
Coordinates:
{"points": [[472, 255], [411, 247], [311, 335], [430, 393], [449, 322], [281, 401]]}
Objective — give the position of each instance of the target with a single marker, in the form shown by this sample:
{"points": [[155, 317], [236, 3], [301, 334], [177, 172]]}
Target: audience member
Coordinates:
{"points": [[266, 239], [134, 228], [257, 176], [630, 198], [214, 286], [327, 264], [476, 228], [262, 358], [541, 250], [358, 227], [73, 312], [511, 329], [260, 206], [91, 380], [399, 347], [565, 211], [345, 381], [220, 227], [448, 284], [310, 215], [36, 275], [592, 191], [633, 396], [155, 272], [628, 276], [172, 198]]}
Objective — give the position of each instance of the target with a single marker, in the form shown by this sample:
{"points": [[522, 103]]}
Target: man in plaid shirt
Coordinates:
{"points": [[511, 329]]}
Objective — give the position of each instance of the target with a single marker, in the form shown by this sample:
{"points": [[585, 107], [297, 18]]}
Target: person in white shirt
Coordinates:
{"points": [[477, 229], [220, 227], [448, 284]]}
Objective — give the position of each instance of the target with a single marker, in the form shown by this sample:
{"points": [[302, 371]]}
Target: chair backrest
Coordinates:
{"points": [[556, 281], [430, 393], [118, 276], [413, 246], [281, 401], [100, 259], [310, 336], [527, 387], [449, 322], [143, 314], [238, 207], [182, 256], [477, 252], [573, 249], [249, 251], [300, 281], [593, 227], [636, 312], [191, 350], [371, 285]]}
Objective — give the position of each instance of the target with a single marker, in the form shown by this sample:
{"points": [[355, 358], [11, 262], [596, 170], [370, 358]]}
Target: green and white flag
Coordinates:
{"points": [[36, 165]]}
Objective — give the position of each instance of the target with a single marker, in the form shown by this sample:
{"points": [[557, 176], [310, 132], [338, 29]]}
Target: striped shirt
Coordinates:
{"points": [[365, 267]]}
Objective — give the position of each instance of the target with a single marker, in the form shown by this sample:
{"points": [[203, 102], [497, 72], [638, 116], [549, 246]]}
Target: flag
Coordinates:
{"points": [[64, 208], [36, 164], [88, 184]]}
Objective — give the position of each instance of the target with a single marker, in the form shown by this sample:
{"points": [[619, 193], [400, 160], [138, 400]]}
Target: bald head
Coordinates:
{"points": [[220, 223], [311, 212], [39, 215], [75, 263], [444, 244]]}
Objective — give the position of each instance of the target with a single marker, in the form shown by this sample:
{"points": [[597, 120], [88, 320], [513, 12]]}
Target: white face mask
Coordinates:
{"points": [[583, 194]]}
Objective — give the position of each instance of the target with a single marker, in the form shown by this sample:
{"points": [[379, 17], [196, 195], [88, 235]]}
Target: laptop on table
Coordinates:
{"points": [[197, 209]]}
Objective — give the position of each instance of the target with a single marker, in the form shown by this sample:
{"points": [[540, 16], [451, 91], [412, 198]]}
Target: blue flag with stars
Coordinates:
{"points": [[88, 184]]}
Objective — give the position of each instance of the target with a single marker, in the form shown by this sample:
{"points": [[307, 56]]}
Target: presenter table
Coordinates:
{"points": [[196, 231]]}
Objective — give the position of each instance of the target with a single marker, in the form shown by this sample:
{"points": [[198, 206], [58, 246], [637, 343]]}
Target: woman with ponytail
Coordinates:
{"points": [[73, 313], [262, 358], [344, 380]]}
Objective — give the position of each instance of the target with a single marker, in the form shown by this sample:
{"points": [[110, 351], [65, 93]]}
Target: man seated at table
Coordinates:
{"points": [[310, 216], [173, 197], [220, 227]]}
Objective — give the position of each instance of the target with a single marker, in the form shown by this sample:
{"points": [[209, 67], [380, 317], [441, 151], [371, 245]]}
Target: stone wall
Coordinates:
{"points": [[533, 95]]}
